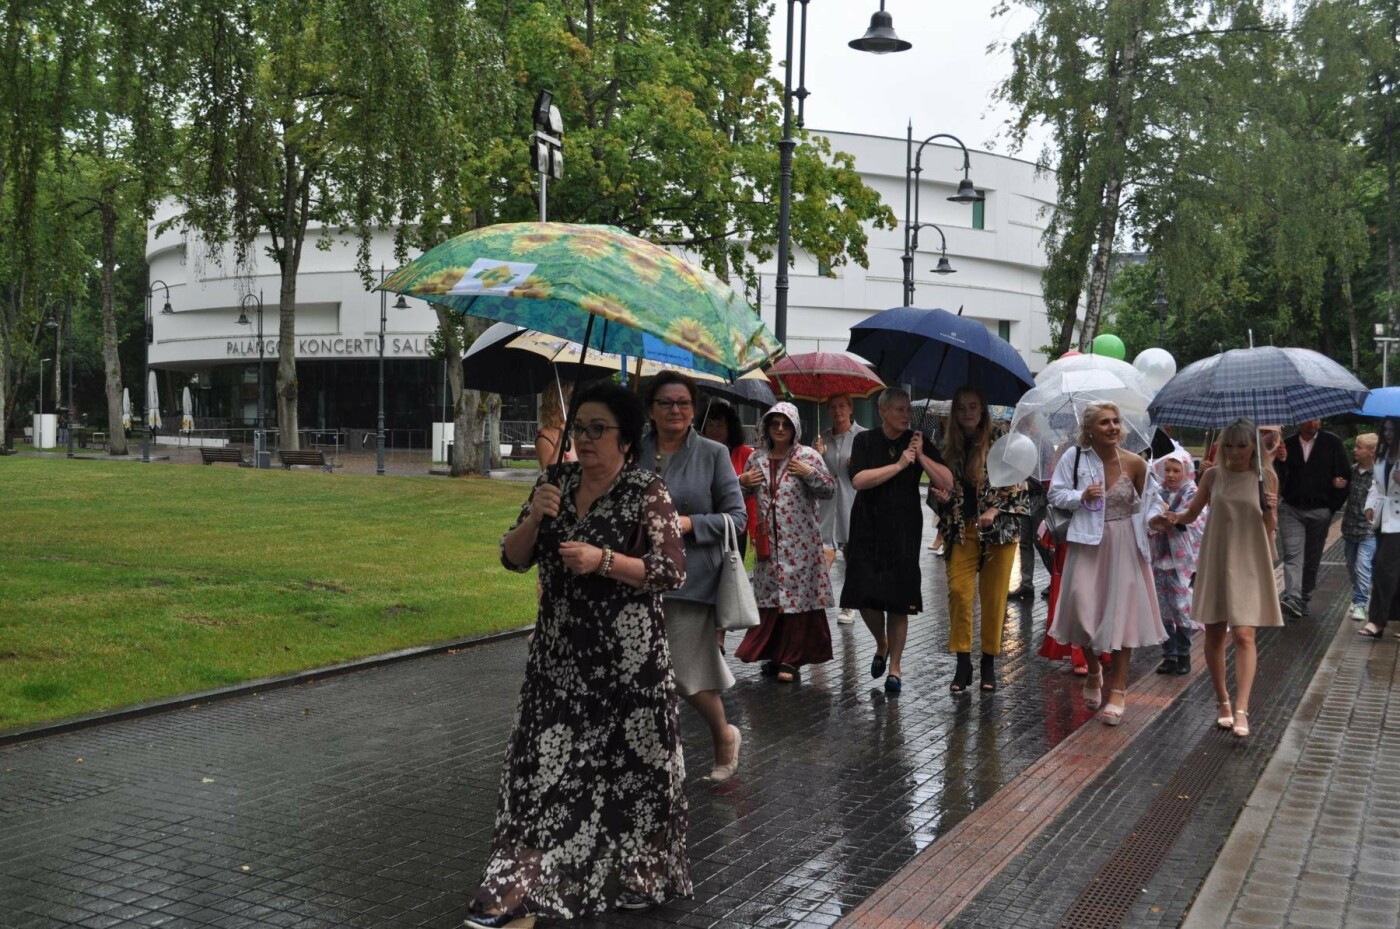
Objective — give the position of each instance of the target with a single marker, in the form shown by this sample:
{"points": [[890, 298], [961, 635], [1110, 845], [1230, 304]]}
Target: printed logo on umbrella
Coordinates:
{"points": [[492, 276]]}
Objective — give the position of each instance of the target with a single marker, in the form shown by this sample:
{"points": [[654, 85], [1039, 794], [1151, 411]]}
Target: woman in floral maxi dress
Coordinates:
{"points": [[791, 585], [592, 813]]}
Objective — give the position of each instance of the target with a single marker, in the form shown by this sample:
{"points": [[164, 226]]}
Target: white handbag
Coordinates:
{"points": [[735, 606]]}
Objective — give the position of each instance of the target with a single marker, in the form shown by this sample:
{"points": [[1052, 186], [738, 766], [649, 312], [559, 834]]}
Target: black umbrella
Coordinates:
{"points": [[749, 390], [491, 364]]}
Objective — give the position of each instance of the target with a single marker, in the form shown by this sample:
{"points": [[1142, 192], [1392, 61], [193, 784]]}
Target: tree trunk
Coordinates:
{"points": [[111, 360], [1392, 247], [287, 425], [493, 429], [1119, 116], [7, 308], [295, 195]]}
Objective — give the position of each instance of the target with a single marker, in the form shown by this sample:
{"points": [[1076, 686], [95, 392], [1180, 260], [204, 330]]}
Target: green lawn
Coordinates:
{"points": [[122, 582]]}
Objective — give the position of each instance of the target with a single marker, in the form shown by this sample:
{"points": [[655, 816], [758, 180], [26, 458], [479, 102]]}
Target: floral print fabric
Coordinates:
{"points": [[592, 798], [794, 579], [1011, 502], [1174, 554]]}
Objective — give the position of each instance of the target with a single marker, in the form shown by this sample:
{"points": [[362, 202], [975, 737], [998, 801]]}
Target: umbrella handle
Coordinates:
{"points": [[553, 471]]}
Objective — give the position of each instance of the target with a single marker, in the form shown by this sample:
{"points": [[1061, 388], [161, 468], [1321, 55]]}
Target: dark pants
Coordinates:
{"points": [[1178, 642], [1029, 542], [1385, 581], [1302, 535]]}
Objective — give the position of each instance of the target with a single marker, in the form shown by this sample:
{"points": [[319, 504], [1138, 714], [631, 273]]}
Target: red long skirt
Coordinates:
{"points": [[795, 639]]}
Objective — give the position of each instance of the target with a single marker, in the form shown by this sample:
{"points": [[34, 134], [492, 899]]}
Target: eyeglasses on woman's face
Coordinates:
{"points": [[668, 405], [590, 431], [778, 424]]}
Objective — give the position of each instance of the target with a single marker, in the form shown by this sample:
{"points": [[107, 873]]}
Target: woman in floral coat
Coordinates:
{"points": [[982, 531], [790, 582]]}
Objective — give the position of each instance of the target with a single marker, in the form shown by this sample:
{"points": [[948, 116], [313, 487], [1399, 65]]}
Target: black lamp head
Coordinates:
{"points": [[967, 193], [880, 38], [944, 267]]}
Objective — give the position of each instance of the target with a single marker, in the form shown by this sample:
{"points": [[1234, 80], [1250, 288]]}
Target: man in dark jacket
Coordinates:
{"points": [[1313, 473]]}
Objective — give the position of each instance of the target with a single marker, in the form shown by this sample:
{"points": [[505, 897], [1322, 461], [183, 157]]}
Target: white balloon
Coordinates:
{"points": [[1157, 366], [1011, 459]]}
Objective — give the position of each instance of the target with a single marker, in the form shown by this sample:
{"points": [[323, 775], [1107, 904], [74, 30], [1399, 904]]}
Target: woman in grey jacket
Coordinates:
{"points": [[705, 490]]}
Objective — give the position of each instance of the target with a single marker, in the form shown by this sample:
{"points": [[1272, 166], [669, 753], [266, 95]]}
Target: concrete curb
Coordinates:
{"points": [[1222, 887], [248, 688]]}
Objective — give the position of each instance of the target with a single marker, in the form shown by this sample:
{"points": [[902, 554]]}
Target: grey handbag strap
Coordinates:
{"points": [[731, 535]]}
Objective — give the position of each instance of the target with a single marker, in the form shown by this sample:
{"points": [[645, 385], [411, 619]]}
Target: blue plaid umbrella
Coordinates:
{"points": [[938, 352], [1266, 384]]}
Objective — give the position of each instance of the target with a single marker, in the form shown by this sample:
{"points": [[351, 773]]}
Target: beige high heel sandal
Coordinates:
{"points": [[1226, 719], [1241, 724], [1112, 713], [1093, 690]]}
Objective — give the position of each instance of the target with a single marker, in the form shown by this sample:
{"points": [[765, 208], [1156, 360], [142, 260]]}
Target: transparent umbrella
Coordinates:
{"points": [[1050, 412]]}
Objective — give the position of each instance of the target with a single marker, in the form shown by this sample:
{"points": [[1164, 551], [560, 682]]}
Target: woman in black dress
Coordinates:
{"points": [[592, 814], [882, 557]]}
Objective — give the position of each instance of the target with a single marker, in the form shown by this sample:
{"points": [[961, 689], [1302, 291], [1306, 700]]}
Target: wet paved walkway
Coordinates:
{"points": [[367, 800]]}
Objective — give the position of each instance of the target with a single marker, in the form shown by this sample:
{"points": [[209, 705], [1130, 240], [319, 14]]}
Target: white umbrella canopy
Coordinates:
{"points": [[1050, 412], [126, 408], [186, 412], [152, 402]]}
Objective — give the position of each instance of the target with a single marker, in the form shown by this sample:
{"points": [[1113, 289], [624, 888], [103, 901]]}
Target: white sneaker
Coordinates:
{"points": [[1358, 612], [847, 618]]}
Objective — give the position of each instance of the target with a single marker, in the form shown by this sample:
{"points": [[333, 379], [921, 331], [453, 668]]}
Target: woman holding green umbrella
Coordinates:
{"points": [[592, 814]]}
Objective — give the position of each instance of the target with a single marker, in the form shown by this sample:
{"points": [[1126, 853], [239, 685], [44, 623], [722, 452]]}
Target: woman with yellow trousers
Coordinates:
{"points": [[982, 530]]}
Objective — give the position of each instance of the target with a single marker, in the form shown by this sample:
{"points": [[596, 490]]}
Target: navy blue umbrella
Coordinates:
{"points": [[938, 352]]}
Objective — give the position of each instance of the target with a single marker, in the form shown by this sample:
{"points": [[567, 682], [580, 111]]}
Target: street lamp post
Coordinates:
{"points": [[58, 350], [400, 304], [913, 167], [68, 344], [547, 144], [943, 266], [880, 39], [260, 459], [1384, 341], [39, 422], [147, 436]]}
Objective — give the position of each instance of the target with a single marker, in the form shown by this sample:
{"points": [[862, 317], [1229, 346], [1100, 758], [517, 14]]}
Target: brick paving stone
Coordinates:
{"points": [[369, 799]]}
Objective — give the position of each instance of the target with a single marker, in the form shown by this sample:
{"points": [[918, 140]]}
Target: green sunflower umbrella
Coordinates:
{"points": [[595, 285]]}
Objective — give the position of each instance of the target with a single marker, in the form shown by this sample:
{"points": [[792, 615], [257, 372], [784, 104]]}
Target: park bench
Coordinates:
{"points": [[229, 453], [309, 457]]}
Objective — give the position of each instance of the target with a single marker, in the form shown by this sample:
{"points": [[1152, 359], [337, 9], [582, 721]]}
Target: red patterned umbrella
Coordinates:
{"points": [[820, 376]]}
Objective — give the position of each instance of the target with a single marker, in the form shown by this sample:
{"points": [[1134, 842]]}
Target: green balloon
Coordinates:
{"points": [[1110, 345]]}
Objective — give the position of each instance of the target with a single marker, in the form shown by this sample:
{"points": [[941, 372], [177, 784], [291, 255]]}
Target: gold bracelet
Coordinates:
{"points": [[605, 563]]}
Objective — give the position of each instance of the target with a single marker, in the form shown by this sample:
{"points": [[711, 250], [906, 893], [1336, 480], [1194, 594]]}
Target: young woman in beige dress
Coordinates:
{"points": [[1235, 572]]}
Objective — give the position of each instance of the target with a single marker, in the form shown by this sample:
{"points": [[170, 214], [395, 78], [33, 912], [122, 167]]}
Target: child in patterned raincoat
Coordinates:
{"points": [[1174, 554]]}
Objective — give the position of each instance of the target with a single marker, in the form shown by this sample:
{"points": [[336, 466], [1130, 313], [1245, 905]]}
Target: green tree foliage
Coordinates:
{"points": [[672, 126], [333, 114], [1242, 150], [36, 65]]}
